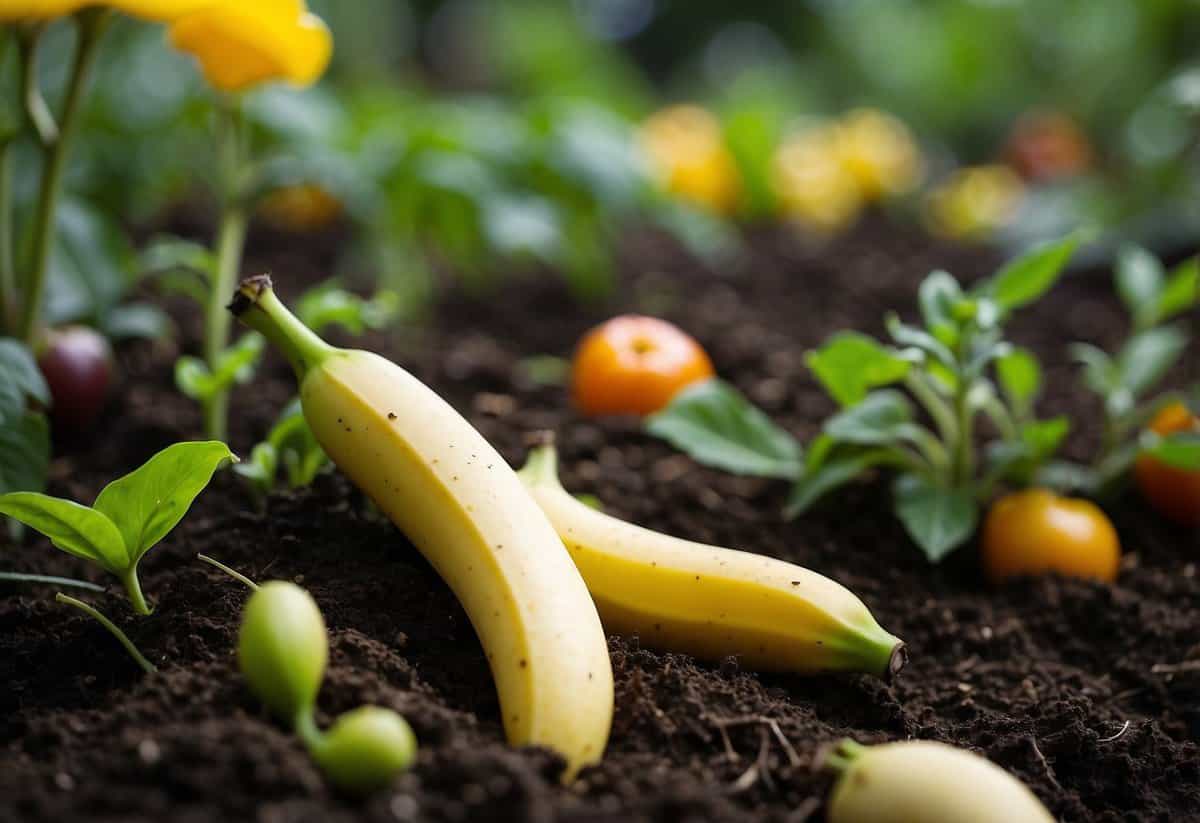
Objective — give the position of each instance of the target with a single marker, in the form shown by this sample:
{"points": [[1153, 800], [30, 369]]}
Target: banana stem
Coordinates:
{"points": [[113, 629], [541, 467], [842, 755], [256, 305]]}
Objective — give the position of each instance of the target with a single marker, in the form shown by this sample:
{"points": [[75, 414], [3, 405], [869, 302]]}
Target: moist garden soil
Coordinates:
{"points": [[1089, 693]]}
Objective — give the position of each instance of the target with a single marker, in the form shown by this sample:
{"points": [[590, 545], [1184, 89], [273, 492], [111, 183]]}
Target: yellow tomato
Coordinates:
{"points": [[1174, 492], [687, 153], [975, 201], [813, 185], [879, 152], [1036, 532], [634, 364], [240, 44]]}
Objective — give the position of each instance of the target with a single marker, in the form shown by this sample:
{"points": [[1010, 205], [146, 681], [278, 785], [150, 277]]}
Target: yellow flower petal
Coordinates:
{"points": [[159, 10], [687, 153], [241, 44], [12, 10]]}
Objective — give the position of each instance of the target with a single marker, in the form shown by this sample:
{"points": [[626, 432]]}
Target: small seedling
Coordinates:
{"points": [[1124, 381], [957, 367], [130, 515], [282, 651]]}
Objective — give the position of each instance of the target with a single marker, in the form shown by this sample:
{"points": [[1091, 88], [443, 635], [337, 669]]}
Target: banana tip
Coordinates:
{"points": [[248, 293], [897, 660]]}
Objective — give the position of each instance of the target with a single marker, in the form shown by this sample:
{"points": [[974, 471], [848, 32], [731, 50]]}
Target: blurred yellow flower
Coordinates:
{"points": [[879, 151], [687, 153], [159, 10], [303, 207], [241, 43], [812, 183], [975, 201]]}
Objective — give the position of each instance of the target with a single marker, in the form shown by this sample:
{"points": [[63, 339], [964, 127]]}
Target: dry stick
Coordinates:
{"points": [[1116, 736], [1045, 765], [1175, 668], [807, 808]]}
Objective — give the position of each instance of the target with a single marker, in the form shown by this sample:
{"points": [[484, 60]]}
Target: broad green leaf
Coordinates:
{"points": [[1020, 376], [832, 473], [906, 335], [1181, 450], [75, 529], [1181, 292], [851, 364], [885, 416], [715, 425], [1139, 283], [1028, 277], [1147, 356], [148, 502], [24, 454], [19, 378], [938, 519], [937, 296], [90, 264]]}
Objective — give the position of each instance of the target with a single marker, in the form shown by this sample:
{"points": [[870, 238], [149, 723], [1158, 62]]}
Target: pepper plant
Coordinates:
{"points": [[912, 405]]}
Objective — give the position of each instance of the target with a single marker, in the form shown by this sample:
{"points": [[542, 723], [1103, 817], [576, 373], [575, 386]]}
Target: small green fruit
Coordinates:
{"points": [[283, 648], [365, 748]]}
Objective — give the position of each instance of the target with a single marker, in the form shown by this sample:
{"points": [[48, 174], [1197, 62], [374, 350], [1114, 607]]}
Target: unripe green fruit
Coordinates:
{"points": [[365, 748], [283, 648], [929, 782]]}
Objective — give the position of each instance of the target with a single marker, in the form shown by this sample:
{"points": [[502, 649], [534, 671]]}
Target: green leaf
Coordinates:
{"points": [[851, 364], [906, 335], [24, 454], [937, 296], [173, 254], [19, 378], [235, 365], [938, 519], [1139, 283], [1181, 292], [1065, 476], [148, 502], [833, 473], [1043, 437], [136, 321], [327, 305], [1028, 277], [1020, 376], [90, 264], [1180, 450], [884, 416], [260, 469], [546, 369], [1099, 371], [75, 529], [1147, 357], [715, 425]]}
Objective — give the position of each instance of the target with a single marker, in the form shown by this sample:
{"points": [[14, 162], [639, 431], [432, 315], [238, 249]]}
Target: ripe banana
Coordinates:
{"points": [[709, 601], [458, 501]]}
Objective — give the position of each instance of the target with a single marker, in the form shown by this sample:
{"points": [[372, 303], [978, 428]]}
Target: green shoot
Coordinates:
{"points": [[282, 651], [113, 629], [290, 443], [129, 516], [236, 575]]}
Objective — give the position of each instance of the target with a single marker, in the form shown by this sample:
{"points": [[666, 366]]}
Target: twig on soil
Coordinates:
{"points": [[1045, 765], [1176, 668], [722, 723], [759, 769], [1116, 736], [793, 757]]}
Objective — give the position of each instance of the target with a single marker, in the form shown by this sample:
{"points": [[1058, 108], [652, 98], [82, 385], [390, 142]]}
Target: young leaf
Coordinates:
{"points": [[1180, 450], [906, 335], [19, 378], [235, 365], [851, 364], [135, 321], [71, 527], [834, 472], [1029, 277], [260, 469], [715, 425], [885, 416], [1021, 378], [1148, 356], [938, 519], [937, 297], [148, 502], [1181, 292], [1139, 284], [24, 454], [1099, 371]]}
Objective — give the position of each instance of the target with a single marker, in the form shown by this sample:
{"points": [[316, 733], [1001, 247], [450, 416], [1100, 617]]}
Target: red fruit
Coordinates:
{"points": [[77, 363]]}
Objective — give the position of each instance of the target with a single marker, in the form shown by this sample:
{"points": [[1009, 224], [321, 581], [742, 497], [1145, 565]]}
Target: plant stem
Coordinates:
{"points": [[231, 240], [39, 114], [133, 588], [8, 275], [50, 580], [236, 575], [91, 26], [116, 632]]}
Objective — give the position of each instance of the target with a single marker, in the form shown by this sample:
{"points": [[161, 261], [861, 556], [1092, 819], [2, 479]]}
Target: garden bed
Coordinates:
{"points": [[1075, 687]]}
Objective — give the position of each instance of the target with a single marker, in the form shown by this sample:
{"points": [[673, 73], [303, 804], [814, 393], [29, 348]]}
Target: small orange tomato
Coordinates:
{"points": [[1035, 531], [634, 365], [1174, 492]]}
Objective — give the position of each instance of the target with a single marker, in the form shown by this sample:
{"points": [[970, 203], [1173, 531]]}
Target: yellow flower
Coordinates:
{"points": [[687, 153], [880, 152], [159, 10], [241, 43], [812, 183], [975, 201]]}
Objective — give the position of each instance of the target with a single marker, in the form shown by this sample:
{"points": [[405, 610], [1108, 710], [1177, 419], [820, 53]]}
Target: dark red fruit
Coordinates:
{"points": [[77, 363]]}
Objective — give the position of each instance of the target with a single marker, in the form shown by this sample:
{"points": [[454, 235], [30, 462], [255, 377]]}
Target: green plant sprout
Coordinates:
{"points": [[957, 368], [234, 573], [1123, 380], [290, 443], [283, 649], [112, 628], [129, 516]]}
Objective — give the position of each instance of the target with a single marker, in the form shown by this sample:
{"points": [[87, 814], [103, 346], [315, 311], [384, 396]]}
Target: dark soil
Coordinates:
{"points": [[1090, 693]]}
